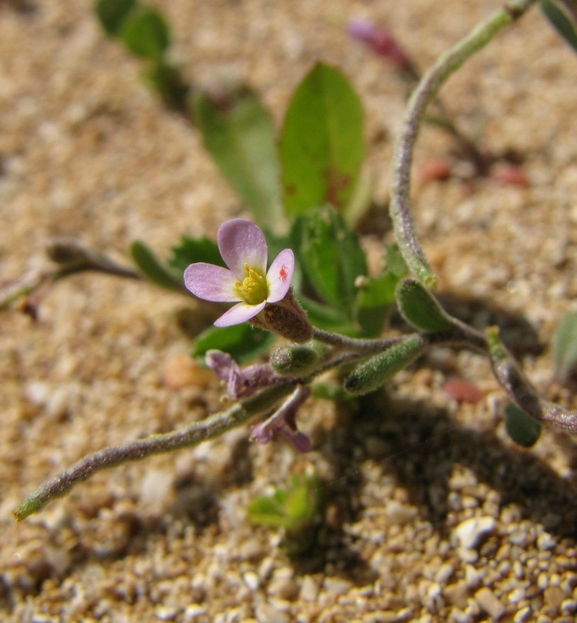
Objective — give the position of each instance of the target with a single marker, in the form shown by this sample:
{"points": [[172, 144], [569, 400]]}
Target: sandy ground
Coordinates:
{"points": [[86, 151]]}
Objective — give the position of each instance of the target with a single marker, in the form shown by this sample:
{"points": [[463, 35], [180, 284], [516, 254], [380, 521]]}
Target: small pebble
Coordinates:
{"points": [[400, 513], [545, 541], [463, 391], [489, 603], [265, 613], [444, 572], [193, 612], [470, 532], [517, 595], [553, 596], [251, 580], [511, 174], [523, 615], [165, 614], [456, 594], [435, 170], [309, 589]]}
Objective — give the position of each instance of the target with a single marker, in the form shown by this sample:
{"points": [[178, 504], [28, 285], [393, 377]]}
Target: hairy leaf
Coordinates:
{"points": [[241, 341], [420, 308], [375, 301], [322, 142], [331, 256], [152, 268]]}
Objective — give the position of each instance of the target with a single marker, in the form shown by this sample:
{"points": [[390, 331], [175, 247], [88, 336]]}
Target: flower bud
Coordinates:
{"points": [[371, 374], [293, 360]]}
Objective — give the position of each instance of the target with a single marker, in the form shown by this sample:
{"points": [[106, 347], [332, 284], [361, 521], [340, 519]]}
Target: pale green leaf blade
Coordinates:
{"points": [[322, 143]]}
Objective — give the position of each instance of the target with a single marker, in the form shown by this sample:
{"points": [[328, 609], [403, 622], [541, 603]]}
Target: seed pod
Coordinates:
{"points": [[371, 374], [522, 428]]}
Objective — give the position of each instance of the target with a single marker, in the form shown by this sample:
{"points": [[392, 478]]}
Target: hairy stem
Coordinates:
{"points": [[425, 92], [521, 390], [360, 345], [214, 426]]}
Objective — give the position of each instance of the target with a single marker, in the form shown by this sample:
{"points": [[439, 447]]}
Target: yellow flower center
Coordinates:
{"points": [[253, 289]]}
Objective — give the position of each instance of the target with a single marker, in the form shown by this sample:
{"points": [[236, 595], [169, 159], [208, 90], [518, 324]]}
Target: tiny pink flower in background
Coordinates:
{"points": [[246, 281], [380, 40]]}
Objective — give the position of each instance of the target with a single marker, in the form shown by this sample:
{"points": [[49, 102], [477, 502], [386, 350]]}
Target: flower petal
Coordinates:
{"points": [[241, 242], [211, 283], [280, 275], [299, 441], [241, 312]]}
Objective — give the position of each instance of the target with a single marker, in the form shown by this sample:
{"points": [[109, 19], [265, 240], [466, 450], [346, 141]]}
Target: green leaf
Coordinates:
{"points": [[562, 19], [239, 133], [267, 511], [564, 346], [322, 143], [294, 508], [331, 256], [112, 13], [242, 342], [371, 374], [395, 261], [375, 302], [329, 318], [522, 428], [152, 268], [421, 309], [191, 250], [146, 33], [377, 295]]}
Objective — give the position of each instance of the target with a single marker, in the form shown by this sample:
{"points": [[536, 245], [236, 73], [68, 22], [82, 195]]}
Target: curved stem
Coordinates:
{"points": [[213, 426], [520, 389], [432, 81]]}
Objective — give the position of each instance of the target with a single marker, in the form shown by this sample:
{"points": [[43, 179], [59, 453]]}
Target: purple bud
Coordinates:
{"points": [[283, 421]]}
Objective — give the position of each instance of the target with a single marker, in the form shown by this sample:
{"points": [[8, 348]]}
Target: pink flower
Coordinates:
{"points": [[246, 281]]}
